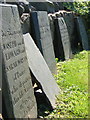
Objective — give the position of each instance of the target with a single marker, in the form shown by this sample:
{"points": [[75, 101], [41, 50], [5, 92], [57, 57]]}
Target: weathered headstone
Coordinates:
{"points": [[42, 36], [17, 86], [69, 20], [62, 41], [40, 69], [82, 33]]}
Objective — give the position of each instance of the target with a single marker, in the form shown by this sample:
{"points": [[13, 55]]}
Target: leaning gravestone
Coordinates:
{"points": [[40, 69], [42, 35], [82, 33], [17, 86], [62, 39]]}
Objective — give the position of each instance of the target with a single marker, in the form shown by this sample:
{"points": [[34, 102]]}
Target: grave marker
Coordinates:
{"points": [[40, 69], [62, 40], [42, 36], [17, 86], [82, 33]]}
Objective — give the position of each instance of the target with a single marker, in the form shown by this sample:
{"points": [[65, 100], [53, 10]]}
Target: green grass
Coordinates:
{"points": [[72, 79]]}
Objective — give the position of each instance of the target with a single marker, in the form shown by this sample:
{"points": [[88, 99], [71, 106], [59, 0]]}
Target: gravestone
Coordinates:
{"points": [[69, 20], [82, 33], [62, 41], [42, 35], [40, 69], [17, 86]]}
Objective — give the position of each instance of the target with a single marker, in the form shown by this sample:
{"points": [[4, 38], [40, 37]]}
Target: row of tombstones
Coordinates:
{"points": [[52, 36]]}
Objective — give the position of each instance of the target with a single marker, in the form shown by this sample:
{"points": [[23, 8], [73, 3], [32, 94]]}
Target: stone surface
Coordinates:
{"points": [[69, 20], [82, 33], [42, 36], [51, 21], [0, 61], [17, 86], [62, 42], [25, 25], [43, 6], [40, 69]]}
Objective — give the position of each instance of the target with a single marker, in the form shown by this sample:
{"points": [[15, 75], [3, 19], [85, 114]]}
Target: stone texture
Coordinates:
{"points": [[17, 86], [43, 6], [62, 42], [42, 35], [25, 25], [0, 61], [82, 33], [69, 20], [40, 69]]}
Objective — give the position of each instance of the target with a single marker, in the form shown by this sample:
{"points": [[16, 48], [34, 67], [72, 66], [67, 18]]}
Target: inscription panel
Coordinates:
{"points": [[64, 38], [16, 71], [44, 38]]}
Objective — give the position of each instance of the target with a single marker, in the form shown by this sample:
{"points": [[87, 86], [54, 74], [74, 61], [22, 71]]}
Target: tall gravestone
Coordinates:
{"points": [[42, 35], [69, 20], [62, 42], [82, 33], [17, 86], [40, 69]]}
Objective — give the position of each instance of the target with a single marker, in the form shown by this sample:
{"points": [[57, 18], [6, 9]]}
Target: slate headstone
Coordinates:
{"points": [[62, 40], [17, 86], [42, 35], [69, 20], [40, 69], [82, 33]]}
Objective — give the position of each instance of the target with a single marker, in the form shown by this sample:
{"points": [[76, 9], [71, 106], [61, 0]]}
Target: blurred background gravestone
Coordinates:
{"points": [[82, 33], [62, 44], [42, 36], [18, 94]]}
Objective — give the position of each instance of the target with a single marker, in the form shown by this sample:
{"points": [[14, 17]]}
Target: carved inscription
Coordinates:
{"points": [[16, 67]]}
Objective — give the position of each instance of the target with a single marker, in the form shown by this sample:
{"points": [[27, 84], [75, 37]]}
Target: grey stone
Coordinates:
{"points": [[42, 35], [51, 21], [82, 33], [46, 5], [0, 61], [62, 41], [40, 69], [69, 20], [25, 25], [17, 86]]}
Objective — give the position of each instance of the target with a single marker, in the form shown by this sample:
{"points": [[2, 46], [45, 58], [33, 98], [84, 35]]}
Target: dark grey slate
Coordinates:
{"points": [[51, 21], [25, 25], [17, 86], [43, 6], [42, 35], [0, 61], [62, 44], [40, 69], [69, 20], [82, 33]]}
